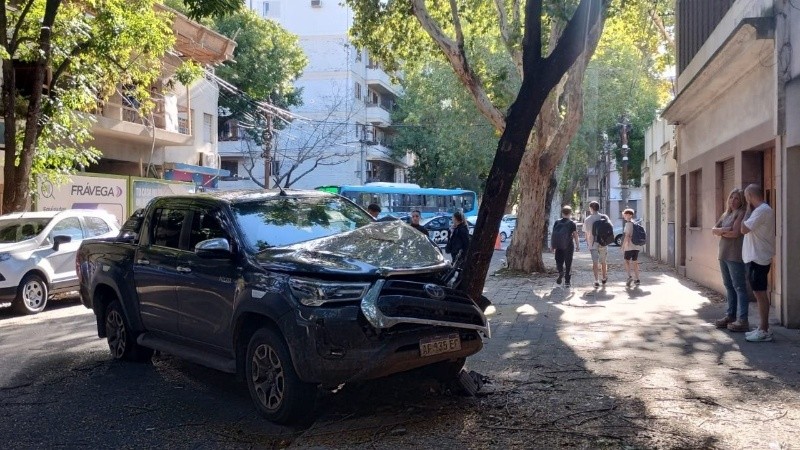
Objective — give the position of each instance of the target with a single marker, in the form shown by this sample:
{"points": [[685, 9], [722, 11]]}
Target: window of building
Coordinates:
{"points": [[357, 90], [231, 166], [695, 202], [725, 174], [358, 55], [208, 127]]}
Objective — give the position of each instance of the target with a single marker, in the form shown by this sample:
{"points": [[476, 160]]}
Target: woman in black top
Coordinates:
{"points": [[458, 241]]}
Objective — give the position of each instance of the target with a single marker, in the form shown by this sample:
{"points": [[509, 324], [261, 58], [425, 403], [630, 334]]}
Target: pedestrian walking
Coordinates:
{"points": [[728, 228], [629, 249], [599, 234], [415, 216], [565, 234], [458, 241], [758, 248]]}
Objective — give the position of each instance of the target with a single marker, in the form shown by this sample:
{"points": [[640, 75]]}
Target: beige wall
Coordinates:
{"points": [[660, 163], [743, 118]]}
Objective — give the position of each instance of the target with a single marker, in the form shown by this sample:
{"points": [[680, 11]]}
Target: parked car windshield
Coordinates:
{"points": [[284, 221], [17, 230]]}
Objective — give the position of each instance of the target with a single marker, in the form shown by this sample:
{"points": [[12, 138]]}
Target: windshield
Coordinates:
{"points": [[284, 221], [17, 230]]}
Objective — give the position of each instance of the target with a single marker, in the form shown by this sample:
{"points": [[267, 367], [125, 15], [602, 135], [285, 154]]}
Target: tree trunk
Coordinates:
{"points": [[10, 135], [525, 252], [16, 196]]}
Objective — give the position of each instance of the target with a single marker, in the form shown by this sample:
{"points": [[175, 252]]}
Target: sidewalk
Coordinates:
{"points": [[652, 345]]}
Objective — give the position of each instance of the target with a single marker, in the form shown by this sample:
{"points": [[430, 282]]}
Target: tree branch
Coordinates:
{"points": [[80, 48], [460, 65], [12, 43], [457, 26], [574, 39], [505, 33], [532, 40]]}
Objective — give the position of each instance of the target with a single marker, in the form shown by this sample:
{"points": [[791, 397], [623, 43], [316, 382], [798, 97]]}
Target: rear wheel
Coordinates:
{"points": [[121, 340], [276, 390], [31, 295], [503, 236], [618, 240]]}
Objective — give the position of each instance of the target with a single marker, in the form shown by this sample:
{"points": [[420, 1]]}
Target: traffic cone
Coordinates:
{"points": [[497, 243]]}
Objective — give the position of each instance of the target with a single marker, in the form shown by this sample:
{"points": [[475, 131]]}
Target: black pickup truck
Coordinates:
{"points": [[290, 290]]}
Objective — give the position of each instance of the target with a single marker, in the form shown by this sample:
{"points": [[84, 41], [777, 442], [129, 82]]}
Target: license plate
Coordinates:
{"points": [[439, 344]]}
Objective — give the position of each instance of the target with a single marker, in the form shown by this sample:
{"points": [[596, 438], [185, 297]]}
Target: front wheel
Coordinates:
{"points": [[618, 240], [31, 295], [276, 390], [121, 340], [503, 236]]}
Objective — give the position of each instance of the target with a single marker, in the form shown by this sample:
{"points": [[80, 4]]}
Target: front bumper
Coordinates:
{"points": [[335, 345]]}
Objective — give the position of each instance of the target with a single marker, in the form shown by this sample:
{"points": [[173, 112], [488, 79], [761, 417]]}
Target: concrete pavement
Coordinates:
{"points": [[653, 345]]}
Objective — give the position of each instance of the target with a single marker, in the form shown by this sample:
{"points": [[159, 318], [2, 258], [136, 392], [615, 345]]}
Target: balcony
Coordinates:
{"points": [[115, 120], [379, 81], [378, 114]]}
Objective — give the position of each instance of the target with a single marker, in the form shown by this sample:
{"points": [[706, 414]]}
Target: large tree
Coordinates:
{"points": [[543, 45], [60, 60]]}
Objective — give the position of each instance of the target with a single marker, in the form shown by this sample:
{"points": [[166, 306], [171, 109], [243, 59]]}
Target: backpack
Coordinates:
{"points": [[603, 232], [639, 236], [561, 235]]}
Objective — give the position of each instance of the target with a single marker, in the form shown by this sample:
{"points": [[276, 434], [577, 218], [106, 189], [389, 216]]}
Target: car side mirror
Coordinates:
{"points": [[213, 248], [60, 239]]}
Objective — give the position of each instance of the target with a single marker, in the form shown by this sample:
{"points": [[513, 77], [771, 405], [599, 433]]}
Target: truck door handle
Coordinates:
{"points": [[183, 269], [143, 262]]}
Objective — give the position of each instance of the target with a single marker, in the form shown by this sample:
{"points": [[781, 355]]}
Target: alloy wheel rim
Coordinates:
{"points": [[115, 330], [33, 294], [268, 377]]}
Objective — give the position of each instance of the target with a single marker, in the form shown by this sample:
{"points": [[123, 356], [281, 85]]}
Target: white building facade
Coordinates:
{"points": [[342, 133], [658, 181]]}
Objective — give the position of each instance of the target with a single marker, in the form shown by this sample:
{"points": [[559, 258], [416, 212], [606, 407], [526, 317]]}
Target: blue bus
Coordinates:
{"points": [[399, 199]]}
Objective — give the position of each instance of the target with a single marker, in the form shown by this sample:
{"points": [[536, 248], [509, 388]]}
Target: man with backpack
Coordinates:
{"points": [[565, 232], [599, 235], [632, 241]]}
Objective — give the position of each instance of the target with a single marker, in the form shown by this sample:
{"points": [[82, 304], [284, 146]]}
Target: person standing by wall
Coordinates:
{"points": [[758, 248], [565, 233], [629, 249], [728, 228], [595, 228]]}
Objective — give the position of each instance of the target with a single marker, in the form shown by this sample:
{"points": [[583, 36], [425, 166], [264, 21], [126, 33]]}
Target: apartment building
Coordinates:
{"points": [[342, 133], [736, 119]]}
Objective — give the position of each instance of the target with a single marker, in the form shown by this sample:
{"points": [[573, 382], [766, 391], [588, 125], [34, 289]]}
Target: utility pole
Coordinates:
{"points": [[624, 128], [267, 138]]}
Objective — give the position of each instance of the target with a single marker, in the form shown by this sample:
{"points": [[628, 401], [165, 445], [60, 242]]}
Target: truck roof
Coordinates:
{"points": [[248, 195]]}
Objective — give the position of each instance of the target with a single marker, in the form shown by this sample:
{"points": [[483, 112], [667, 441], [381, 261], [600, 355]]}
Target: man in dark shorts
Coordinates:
{"points": [[758, 249], [564, 243]]}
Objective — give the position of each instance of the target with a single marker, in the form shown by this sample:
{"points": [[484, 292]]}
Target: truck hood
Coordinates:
{"points": [[21, 246], [379, 248]]}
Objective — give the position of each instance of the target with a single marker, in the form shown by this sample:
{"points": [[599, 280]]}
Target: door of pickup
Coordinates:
{"points": [[155, 271]]}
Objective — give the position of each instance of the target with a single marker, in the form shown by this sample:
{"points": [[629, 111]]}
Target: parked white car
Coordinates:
{"points": [[37, 253]]}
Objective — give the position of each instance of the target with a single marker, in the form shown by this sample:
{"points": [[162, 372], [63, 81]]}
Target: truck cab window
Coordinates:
{"points": [[205, 225], [167, 232]]}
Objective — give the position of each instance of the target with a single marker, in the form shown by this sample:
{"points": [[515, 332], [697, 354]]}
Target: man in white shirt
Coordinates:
{"points": [[599, 252], [758, 249]]}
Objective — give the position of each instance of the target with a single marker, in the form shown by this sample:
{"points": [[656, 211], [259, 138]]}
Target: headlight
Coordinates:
{"points": [[316, 293]]}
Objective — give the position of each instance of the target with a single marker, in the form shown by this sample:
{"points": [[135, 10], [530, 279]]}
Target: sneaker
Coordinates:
{"points": [[759, 335], [723, 323], [597, 283], [604, 281], [558, 280], [637, 282], [739, 326], [566, 285], [629, 282]]}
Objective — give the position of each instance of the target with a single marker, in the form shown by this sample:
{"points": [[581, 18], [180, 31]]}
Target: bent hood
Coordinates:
{"points": [[377, 248]]}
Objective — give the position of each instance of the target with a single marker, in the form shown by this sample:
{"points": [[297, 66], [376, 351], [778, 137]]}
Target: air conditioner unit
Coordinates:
{"points": [[316, 3]]}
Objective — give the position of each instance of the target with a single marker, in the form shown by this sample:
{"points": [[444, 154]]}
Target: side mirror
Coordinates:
{"points": [[213, 248], [60, 239], [127, 236]]}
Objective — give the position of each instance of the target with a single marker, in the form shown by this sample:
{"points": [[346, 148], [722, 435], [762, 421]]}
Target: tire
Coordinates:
{"points": [[446, 370], [121, 340], [276, 390], [503, 236], [618, 240], [31, 295]]}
